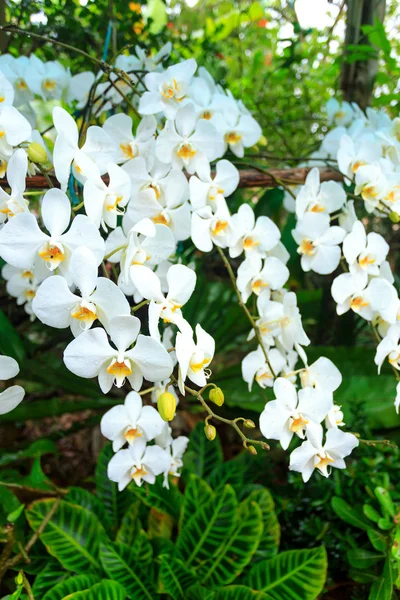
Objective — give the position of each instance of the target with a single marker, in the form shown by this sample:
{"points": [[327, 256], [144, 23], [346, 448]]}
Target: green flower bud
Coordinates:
{"points": [[166, 405], [394, 217], [36, 153], [210, 432], [217, 396], [251, 449], [249, 424]]}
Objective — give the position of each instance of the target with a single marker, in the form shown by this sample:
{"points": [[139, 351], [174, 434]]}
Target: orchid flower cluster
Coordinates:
{"points": [[329, 233], [145, 191]]}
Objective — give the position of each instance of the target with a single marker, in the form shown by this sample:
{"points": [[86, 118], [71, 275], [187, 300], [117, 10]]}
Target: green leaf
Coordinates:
{"points": [[202, 456], [231, 471], [130, 525], [197, 493], [175, 577], [158, 497], [48, 577], [115, 503], [36, 449], [385, 501], [156, 11], [198, 592], [71, 585], [297, 574], [238, 550], [73, 534], [370, 512], [107, 590], [239, 592], [84, 498], [15, 514], [363, 559], [11, 343], [121, 565], [204, 534], [349, 514], [382, 589], [269, 543], [377, 539]]}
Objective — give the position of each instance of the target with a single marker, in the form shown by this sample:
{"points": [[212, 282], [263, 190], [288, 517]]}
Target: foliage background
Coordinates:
{"points": [[284, 73]]}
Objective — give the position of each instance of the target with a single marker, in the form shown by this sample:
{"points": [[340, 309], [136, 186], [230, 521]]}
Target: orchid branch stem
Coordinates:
{"points": [[245, 309]]}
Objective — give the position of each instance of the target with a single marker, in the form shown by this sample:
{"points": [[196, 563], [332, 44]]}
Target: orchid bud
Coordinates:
{"points": [[210, 432], [249, 424], [394, 217], [36, 153], [166, 405], [217, 396], [251, 449]]}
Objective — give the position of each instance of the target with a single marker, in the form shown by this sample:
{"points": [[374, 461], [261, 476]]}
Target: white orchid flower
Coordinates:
{"points": [[256, 368], [204, 189], [339, 113], [335, 417], [145, 243], [55, 305], [79, 87], [364, 253], [119, 128], [350, 293], [348, 216], [194, 358], [104, 203], [251, 235], [14, 129], [317, 197], [181, 283], [318, 243], [175, 449], [281, 320], [6, 91], [313, 455], [291, 412], [322, 375], [184, 142], [355, 154], [160, 178], [12, 396], [126, 423], [16, 72], [254, 276], [23, 244], [14, 203], [90, 355], [389, 348], [239, 130], [89, 161], [397, 399], [48, 80], [210, 228], [168, 208], [22, 284], [371, 184], [166, 90], [137, 463]]}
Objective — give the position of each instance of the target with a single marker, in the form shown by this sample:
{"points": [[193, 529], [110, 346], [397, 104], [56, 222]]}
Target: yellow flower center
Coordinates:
{"points": [[186, 152], [249, 243], [49, 84], [127, 150], [358, 302], [84, 314], [219, 226], [161, 219], [298, 424], [357, 164], [307, 247], [233, 137], [323, 463], [131, 434], [51, 254], [367, 260]]}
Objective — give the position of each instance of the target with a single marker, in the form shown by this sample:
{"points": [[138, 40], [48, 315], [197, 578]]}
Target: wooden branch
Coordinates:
{"points": [[249, 178]]}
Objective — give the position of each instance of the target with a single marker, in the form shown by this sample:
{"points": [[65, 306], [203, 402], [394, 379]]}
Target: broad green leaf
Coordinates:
{"points": [[73, 534], [175, 577], [349, 514], [107, 590], [11, 343], [130, 525], [363, 559], [35, 450], [159, 497], [198, 592], [239, 592], [297, 574], [269, 542], [115, 503], [204, 534], [84, 498], [382, 588], [78, 595], [202, 456], [121, 565], [197, 493], [385, 501], [378, 540], [238, 550], [51, 575], [231, 471], [69, 586]]}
